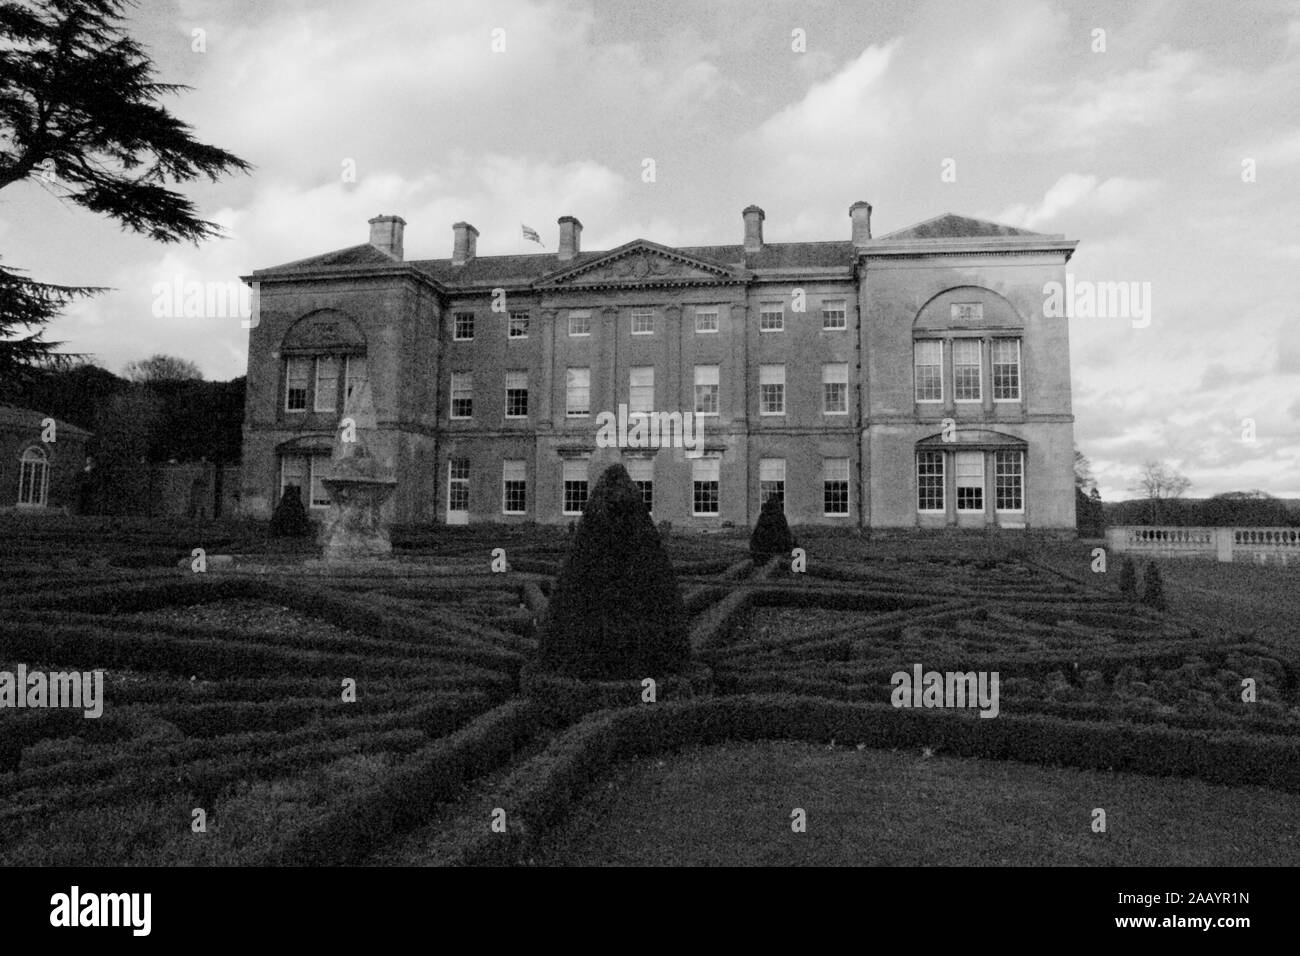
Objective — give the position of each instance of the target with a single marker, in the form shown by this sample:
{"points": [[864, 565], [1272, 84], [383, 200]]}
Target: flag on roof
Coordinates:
{"points": [[530, 233]]}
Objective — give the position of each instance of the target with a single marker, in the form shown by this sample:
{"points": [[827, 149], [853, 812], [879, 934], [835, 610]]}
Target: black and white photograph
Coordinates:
{"points": [[613, 433]]}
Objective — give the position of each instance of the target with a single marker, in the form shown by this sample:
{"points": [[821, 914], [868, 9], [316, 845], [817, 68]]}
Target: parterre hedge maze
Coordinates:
{"points": [[276, 712]]}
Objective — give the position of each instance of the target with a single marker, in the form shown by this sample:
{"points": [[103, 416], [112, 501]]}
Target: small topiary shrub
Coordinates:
{"points": [[290, 517], [1153, 588], [1128, 579], [616, 611], [771, 535]]}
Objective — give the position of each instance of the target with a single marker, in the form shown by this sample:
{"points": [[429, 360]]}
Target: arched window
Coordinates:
{"points": [[323, 357], [33, 478]]}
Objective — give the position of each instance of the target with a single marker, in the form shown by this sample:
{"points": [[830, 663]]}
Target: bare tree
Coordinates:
{"points": [[1159, 482]]}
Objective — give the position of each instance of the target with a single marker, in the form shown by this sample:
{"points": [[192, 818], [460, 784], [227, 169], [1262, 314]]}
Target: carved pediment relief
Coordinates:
{"points": [[641, 264], [325, 329]]}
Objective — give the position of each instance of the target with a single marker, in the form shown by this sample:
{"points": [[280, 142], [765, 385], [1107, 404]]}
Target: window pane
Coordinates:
{"points": [[966, 369], [771, 317], [575, 496], [577, 383], [1006, 370], [771, 479], [1009, 480], [641, 471], [641, 389], [929, 481], [462, 394], [970, 480], [327, 383], [354, 373], [293, 471], [297, 378], [929, 370], [706, 319], [772, 399], [771, 389], [320, 498], [518, 325], [464, 325], [458, 484], [835, 486], [706, 389], [835, 389], [514, 487], [516, 394], [643, 321], [579, 322], [834, 314]]}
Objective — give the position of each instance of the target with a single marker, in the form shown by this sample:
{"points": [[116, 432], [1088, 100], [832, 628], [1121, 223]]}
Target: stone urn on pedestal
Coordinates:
{"points": [[359, 485]]}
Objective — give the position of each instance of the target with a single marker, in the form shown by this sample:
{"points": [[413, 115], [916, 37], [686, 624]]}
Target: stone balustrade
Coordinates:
{"points": [[1263, 545]]}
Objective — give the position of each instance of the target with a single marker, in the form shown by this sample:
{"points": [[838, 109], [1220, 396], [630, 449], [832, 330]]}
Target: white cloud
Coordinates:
{"points": [[1079, 192]]}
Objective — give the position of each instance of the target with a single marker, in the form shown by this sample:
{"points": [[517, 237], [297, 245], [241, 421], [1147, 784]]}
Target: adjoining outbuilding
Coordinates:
{"points": [[43, 464]]}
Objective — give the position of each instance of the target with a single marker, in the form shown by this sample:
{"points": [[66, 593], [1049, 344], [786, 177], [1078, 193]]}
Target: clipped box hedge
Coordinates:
{"points": [[561, 700], [401, 801], [541, 793]]}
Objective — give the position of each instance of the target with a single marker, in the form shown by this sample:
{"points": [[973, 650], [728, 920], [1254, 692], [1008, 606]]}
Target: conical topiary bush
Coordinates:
{"points": [[1128, 579], [1153, 588], [289, 520], [771, 536], [616, 611]]}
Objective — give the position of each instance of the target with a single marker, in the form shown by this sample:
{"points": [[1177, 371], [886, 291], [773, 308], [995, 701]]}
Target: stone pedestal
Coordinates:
{"points": [[354, 528]]}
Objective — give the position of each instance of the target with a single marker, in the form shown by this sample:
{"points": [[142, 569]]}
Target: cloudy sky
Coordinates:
{"points": [[1139, 151]]}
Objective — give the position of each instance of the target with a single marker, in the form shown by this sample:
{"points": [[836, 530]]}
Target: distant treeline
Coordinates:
{"points": [[1243, 509]]}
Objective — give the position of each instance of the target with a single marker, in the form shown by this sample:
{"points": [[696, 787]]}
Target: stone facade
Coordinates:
{"points": [[905, 381]]}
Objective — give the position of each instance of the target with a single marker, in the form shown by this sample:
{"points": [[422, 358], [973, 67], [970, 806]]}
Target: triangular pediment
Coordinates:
{"points": [[971, 437], [952, 226], [641, 263]]}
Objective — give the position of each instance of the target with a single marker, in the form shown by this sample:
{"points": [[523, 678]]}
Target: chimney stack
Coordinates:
{"points": [[860, 213], [464, 243], [386, 234], [570, 237], [753, 229]]}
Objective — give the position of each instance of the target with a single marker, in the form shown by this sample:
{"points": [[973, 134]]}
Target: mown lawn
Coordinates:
{"points": [[731, 805]]}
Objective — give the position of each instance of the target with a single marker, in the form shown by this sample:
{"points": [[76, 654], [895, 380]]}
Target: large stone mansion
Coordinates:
{"points": [[907, 380]]}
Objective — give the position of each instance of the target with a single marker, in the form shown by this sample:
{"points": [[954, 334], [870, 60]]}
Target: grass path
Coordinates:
{"points": [[731, 805]]}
